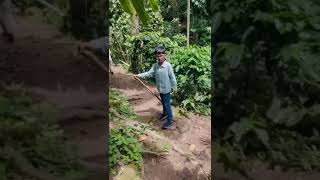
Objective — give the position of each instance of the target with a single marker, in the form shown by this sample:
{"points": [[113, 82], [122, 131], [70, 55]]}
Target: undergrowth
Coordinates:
{"points": [[124, 148], [191, 65], [120, 104], [31, 130]]}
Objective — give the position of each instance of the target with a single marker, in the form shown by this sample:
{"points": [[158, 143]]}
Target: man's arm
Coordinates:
{"points": [[150, 73], [172, 77]]}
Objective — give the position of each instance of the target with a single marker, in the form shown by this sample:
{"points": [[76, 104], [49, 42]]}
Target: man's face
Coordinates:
{"points": [[161, 57]]}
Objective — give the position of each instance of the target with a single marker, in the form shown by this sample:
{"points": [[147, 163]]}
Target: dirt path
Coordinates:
{"points": [[187, 132], [191, 134], [42, 62]]}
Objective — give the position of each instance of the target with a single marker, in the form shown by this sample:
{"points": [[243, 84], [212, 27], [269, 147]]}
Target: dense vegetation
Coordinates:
{"points": [[267, 81], [31, 142], [132, 44], [124, 148], [81, 19], [30, 138], [191, 64]]}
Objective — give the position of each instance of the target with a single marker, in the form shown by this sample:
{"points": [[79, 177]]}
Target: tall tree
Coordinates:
{"points": [[137, 7], [188, 23], [137, 10]]}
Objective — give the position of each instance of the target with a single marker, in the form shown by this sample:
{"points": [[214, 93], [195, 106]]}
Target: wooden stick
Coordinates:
{"points": [[154, 153], [147, 88], [124, 63], [50, 6], [95, 59]]}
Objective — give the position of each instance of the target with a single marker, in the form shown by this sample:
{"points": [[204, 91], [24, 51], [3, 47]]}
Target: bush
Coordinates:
{"points": [[192, 68], [149, 41], [124, 148], [191, 64], [268, 80], [120, 38], [32, 130]]}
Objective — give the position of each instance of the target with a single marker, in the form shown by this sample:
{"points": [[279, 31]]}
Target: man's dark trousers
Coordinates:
{"points": [[165, 98]]}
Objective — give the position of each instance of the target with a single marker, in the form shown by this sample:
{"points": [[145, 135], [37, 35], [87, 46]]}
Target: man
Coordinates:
{"points": [[98, 46], [166, 83]]}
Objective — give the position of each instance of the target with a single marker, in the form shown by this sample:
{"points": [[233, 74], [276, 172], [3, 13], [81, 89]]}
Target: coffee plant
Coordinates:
{"points": [[267, 80], [124, 148], [192, 69]]}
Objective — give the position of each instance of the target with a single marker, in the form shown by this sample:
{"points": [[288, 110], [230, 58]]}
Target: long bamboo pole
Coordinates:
{"points": [[137, 78]]}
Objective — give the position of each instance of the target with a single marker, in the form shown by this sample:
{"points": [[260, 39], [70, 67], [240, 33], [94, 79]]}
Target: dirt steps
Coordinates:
{"points": [[41, 61], [173, 166]]}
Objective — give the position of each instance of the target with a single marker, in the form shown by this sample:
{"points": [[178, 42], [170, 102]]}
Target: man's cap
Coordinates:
{"points": [[160, 48]]}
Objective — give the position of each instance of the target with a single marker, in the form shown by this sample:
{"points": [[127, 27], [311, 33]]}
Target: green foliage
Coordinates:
{"points": [[156, 22], [123, 145], [134, 7], [121, 39], [32, 130], [192, 68], [124, 148], [171, 27], [120, 33], [127, 6], [140, 49], [200, 32], [266, 63], [174, 13], [120, 104], [150, 40], [140, 9], [154, 5]]}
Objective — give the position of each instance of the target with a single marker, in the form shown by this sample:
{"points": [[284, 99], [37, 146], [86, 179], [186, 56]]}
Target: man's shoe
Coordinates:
{"points": [[163, 117], [166, 126]]}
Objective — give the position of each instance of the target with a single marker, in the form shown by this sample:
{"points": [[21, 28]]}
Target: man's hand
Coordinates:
{"points": [[135, 76]]}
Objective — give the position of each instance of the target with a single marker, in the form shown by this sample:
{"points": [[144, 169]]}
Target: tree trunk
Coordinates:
{"points": [[135, 57], [135, 25], [188, 23]]}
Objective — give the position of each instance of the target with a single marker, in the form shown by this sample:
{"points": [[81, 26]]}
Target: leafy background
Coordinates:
{"points": [[31, 130], [267, 80], [168, 27]]}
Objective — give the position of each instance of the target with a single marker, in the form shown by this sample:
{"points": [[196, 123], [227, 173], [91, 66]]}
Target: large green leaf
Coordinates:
{"points": [[154, 5], [127, 6], [139, 6], [290, 115]]}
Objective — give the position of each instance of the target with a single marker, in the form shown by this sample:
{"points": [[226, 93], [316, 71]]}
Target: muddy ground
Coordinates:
{"points": [[42, 62], [191, 134]]}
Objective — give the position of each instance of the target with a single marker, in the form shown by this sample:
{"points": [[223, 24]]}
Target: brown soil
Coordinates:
{"points": [[191, 134], [193, 131], [42, 62]]}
